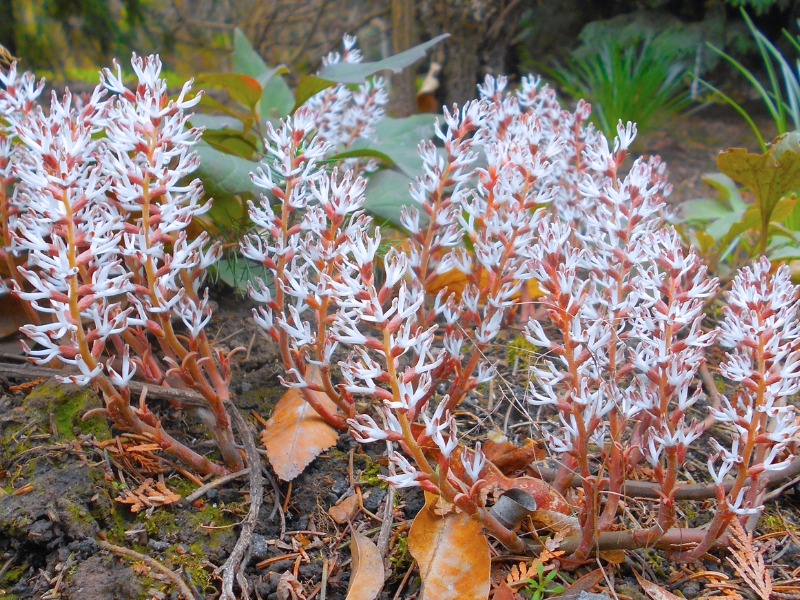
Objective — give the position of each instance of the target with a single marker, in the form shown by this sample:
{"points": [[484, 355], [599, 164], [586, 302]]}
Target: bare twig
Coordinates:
{"points": [[200, 492], [234, 566], [184, 589]]}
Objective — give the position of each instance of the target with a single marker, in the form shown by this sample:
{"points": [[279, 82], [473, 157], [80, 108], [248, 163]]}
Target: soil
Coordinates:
{"points": [[60, 477]]}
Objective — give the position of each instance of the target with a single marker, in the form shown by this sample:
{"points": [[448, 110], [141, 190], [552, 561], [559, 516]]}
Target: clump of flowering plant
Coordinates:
{"points": [[617, 284], [102, 211]]}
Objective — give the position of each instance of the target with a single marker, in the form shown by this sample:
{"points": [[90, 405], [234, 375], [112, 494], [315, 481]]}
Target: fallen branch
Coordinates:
{"points": [[234, 566], [201, 491], [184, 589], [689, 491]]}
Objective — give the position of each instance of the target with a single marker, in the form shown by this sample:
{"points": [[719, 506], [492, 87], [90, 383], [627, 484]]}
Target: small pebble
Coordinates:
{"points": [[182, 549]]}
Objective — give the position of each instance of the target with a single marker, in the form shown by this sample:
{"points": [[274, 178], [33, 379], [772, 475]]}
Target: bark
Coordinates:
{"points": [[403, 89]]}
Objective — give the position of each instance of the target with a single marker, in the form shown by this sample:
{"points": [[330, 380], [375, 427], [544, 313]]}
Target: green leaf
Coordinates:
{"points": [[227, 212], [242, 88], [358, 72], [216, 122], [722, 226], [398, 139], [750, 220], [244, 58], [365, 152], [387, 193], [276, 99], [225, 173], [704, 209], [231, 141], [727, 188], [784, 208], [785, 252], [769, 178], [238, 271], [309, 86]]}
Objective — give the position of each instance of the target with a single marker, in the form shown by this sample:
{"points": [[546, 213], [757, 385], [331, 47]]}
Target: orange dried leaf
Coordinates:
{"points": [[345, 510], [147, 495], [296, 434], [656, 592], [503, 592], [366, 580], [452, 553], [289, 588]]}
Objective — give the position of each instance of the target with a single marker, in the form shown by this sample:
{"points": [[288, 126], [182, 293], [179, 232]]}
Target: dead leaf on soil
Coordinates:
{"points": [[345, 510], [503, 592], [296, 434], [366, 580], [510, 458], [452, 553], [12, 315], [289, 588], [147, 495], [655, 591]]}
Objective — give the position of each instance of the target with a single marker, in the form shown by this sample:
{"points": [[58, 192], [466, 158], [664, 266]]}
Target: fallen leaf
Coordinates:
{"points": [[289, 588], [296, 434], [503, 592], [366, 579], [455, 281], [345, 510], [12, 315], [655, 591], [452, 554], [509, 458], [584, 584]]}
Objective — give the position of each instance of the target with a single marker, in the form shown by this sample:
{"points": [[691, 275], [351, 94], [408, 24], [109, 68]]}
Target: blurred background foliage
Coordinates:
{"points": [[69, 39]]}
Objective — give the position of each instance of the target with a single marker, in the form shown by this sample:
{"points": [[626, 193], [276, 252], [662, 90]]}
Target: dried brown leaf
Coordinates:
{"points": [[289, 588], [503, 592], [452, 554], [655, 591], [748, 561], [345, 510], [366, 579], [296, 434]]}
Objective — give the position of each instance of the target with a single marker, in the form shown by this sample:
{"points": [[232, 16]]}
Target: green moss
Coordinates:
{"points": [[13, 575], [521, 348], [370, 475], [771, 523], [400, 555], [67, 403]]}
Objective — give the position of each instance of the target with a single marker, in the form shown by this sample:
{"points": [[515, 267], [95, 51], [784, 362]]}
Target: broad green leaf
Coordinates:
{"points": [[768, 177], [244, 58], [216, 122], [704, 209], [750, 220], [231, 141], [364, 152], [210, 102], [309, 86], [727, 188], [722, 226], [225, 173], [784, 253], [242, 88], [398, 139], [277, 99], [705, 240], [237, 272], [358, 72], [784, 208], [387, 193], [227, 212]]}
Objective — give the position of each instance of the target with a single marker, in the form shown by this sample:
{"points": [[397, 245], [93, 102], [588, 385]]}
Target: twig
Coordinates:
{"points": [[276, 505], [233, 567], [405, 580], [324, 583], [151, 562], [199, 493], [28, 372]]}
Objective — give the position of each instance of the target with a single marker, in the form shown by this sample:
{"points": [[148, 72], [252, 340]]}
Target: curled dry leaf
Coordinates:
{"points": [[366, 580], [296, 434], [289, 588], [656, 592], [452, 553], [345, 510]]}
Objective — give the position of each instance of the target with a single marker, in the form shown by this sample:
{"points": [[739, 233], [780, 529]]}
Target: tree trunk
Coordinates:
{"points": [[7, 38], [402, 83], [462, 66]]}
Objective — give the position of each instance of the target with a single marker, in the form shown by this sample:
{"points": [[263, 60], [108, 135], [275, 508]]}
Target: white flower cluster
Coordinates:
{"points": [[109, 261], [343, 115], [762, 330]]}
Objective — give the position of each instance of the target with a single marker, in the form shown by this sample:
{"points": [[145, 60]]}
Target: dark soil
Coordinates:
{"points": [[59, 482]]}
